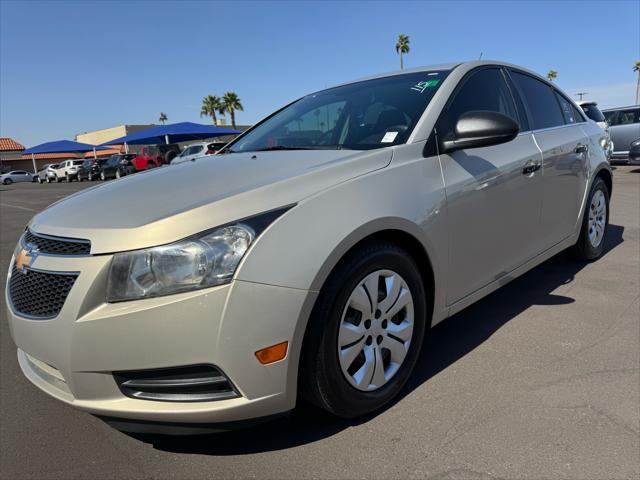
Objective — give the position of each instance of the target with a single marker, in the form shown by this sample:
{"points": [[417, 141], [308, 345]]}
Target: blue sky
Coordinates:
{"points": [[69, 67]]}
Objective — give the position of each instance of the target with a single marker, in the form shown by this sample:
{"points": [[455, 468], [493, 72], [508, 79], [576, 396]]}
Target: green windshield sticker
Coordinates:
{"points": [[422, 86]]}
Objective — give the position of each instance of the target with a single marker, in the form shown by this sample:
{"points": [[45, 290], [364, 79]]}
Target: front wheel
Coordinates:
{"points": [[365, 332], [39, 180], [103, 177], [66, 177], [118, 173], [590, 244], [48, 180], [7, 181]]}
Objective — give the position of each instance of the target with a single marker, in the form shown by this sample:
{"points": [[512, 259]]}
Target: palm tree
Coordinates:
{"points": [[231, 103], [211, 104], [402, 46], [163, 117], [636, 68], [552, 75]]}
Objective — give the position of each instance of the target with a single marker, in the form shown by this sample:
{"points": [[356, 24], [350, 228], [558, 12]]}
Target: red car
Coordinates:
{"points": [[155, 155]]}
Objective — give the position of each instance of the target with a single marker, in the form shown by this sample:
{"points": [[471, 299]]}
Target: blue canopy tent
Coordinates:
{"points": [[172, 133], [60, 146]]}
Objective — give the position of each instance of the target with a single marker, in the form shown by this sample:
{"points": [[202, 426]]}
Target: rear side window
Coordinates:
{"points": [[627, 117], [610, 117], [568, 112], [541, 102], [593, 112], [484, 90]]}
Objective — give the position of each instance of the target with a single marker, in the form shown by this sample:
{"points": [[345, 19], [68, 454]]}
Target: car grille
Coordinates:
{"points": [[196, 383], [57, 246], [39, 295]]}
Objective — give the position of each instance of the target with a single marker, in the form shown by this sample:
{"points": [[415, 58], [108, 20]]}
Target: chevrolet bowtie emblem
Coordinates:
{"points": [[25, 257]]}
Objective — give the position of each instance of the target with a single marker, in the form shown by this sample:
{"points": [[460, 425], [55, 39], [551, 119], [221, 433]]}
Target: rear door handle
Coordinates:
{"points": [[530, 168], [581, 148]]}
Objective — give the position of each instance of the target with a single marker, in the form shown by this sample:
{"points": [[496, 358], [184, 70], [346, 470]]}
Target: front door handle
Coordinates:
{"points": [[581, 148], [530, 168]]}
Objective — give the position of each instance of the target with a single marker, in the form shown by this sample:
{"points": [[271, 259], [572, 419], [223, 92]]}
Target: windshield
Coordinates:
{"points": [[361, 116]]}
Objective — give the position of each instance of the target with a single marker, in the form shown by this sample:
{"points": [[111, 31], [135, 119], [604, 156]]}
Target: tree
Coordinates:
{"points": [[231, 103], [402, 46], [552, 75], [163, 117], [211, 105], [636, 68]]}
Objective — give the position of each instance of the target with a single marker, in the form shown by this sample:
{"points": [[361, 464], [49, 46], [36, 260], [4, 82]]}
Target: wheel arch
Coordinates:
{"points": [[605, 173]]}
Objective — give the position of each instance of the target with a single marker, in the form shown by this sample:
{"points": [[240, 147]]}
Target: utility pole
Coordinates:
{"points": [[581, 94]]}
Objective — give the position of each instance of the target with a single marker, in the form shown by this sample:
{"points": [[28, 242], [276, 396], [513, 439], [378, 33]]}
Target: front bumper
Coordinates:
{"points": [[72, 356]]}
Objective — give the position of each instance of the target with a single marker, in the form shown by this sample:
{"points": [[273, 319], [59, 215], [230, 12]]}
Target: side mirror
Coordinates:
{"points": [[480, 129]]}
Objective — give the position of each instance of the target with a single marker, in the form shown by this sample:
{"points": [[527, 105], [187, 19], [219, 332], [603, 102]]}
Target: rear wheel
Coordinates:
{"points": [[365, 333], [590, 244], [39, 180], [90, 177], [48, 180], [118, 173], [66, 177]]}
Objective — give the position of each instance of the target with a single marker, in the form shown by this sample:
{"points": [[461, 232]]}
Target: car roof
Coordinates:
{"points": [[615, 109], [444, 67]]}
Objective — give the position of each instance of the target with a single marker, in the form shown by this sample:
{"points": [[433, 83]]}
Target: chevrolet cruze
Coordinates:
{"points": [[310, 257]]}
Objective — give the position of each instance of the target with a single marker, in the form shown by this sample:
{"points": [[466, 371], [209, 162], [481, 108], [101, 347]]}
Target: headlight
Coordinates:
{"points": [[200, 261], [635, 143]]}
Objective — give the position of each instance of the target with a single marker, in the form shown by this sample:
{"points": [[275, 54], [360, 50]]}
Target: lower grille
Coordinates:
{"points": [[37, 294], [197, 383]]}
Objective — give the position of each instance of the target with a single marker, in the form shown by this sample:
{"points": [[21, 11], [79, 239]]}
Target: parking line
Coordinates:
{"points": [[18, 206]]}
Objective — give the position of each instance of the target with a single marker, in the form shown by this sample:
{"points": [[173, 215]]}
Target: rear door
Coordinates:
{"points": [[493, 206], [564, 146]]}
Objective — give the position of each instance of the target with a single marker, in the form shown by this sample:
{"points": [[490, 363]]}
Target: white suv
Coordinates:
{"points": [[67, 170]]}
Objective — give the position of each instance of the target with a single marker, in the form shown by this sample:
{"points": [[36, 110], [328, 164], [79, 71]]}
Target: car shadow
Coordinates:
{"points": [[447, 342]]}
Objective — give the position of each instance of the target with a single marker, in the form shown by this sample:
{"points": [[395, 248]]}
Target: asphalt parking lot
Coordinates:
{"points": [[539, 380]]}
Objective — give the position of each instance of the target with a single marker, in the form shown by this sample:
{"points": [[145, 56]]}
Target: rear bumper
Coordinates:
{"points": [[72, 357]]}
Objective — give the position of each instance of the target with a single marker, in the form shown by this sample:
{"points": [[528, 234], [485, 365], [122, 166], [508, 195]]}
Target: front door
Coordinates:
{"points": [[493, 193]]}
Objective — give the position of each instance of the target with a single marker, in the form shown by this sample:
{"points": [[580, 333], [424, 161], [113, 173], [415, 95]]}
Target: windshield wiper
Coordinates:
{"points": [[315, 147], [282, 147]]}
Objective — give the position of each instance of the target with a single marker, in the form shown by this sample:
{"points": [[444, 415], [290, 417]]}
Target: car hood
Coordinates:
{"points": [[166, 204]]}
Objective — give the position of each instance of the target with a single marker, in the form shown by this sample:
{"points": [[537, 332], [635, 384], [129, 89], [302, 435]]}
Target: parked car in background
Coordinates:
{"points": [[624, 128], [17, 176], [205, 296], [155, 155], [47, 173], [590, 108], [197, 150], [117, 166], [67, 170], [190, 152], [634, 153], [90, 169]]}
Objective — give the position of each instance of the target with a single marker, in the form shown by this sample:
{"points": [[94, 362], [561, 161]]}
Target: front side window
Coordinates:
{"points": [[361, 116], [541, 102], [484, 90]]}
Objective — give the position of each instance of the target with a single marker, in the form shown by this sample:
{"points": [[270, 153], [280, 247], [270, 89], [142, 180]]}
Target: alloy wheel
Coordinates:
{"points": [[375, 330], [597, 218]]}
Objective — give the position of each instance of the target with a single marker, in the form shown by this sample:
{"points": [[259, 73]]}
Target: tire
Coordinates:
{"points": [[79, 178], [117, 173], [590, 244], [39, 180], [329, 378], [90, 177], [7, 181], [66, 177], [170, 155], [48, 180], [151, 165], [103, 177]]}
